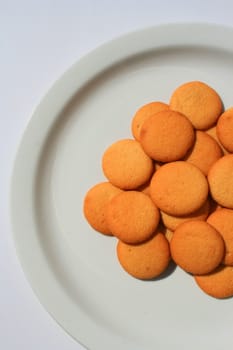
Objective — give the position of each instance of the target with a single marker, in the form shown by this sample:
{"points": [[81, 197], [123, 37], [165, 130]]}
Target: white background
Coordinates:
{"points": [[39, 40]]}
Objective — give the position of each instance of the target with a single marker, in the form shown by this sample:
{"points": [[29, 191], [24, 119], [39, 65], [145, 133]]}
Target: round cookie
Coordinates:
{"points": [[204, 153], [222, 221], [172, 222], [221, 181], [146, 260], [126, 165], [132, 217], [197, 247], [178, 188], [225, 129], [198, 102], [95, 204], [213, 132], [167, 136], [143, 113], [145, 188], [219, 283]]}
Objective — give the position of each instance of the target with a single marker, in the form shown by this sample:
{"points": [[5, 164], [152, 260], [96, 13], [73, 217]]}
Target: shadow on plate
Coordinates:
{"points": [[169, 270]]}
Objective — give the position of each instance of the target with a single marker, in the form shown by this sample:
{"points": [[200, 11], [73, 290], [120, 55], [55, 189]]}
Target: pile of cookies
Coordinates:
{"points": [[169, 190]]}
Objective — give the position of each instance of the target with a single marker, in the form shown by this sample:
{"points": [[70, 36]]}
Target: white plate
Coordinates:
{"points": [[74, 270]]}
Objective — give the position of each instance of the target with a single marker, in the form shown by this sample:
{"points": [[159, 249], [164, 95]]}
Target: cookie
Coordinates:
{"points": [[132, 217], [172, 222], [95, 203], [222, 221], [146, 260], [178, 188], [218, 284], [213, 132], [198, 102], [145, 188], [204, 153], [221, 181], [167, 136], [225, 129], [197, 247], [143, 113], [126, 165]]}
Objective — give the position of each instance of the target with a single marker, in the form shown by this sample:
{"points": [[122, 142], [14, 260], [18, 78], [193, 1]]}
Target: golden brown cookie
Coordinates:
{"points": [[143, 113], [222, 221], [172, 222], [225, 129], [197, 247], [146, 260], [126, 165], [204, 153], [198, 102], [221, 181], [167, 136], [145, 188], [219, 283], [95, 203], [132, 217], [179, 188], [213, 132]]}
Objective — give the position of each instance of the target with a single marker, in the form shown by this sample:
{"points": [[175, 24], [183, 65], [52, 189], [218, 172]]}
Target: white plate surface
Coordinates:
{"points": [[74, 270]]}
